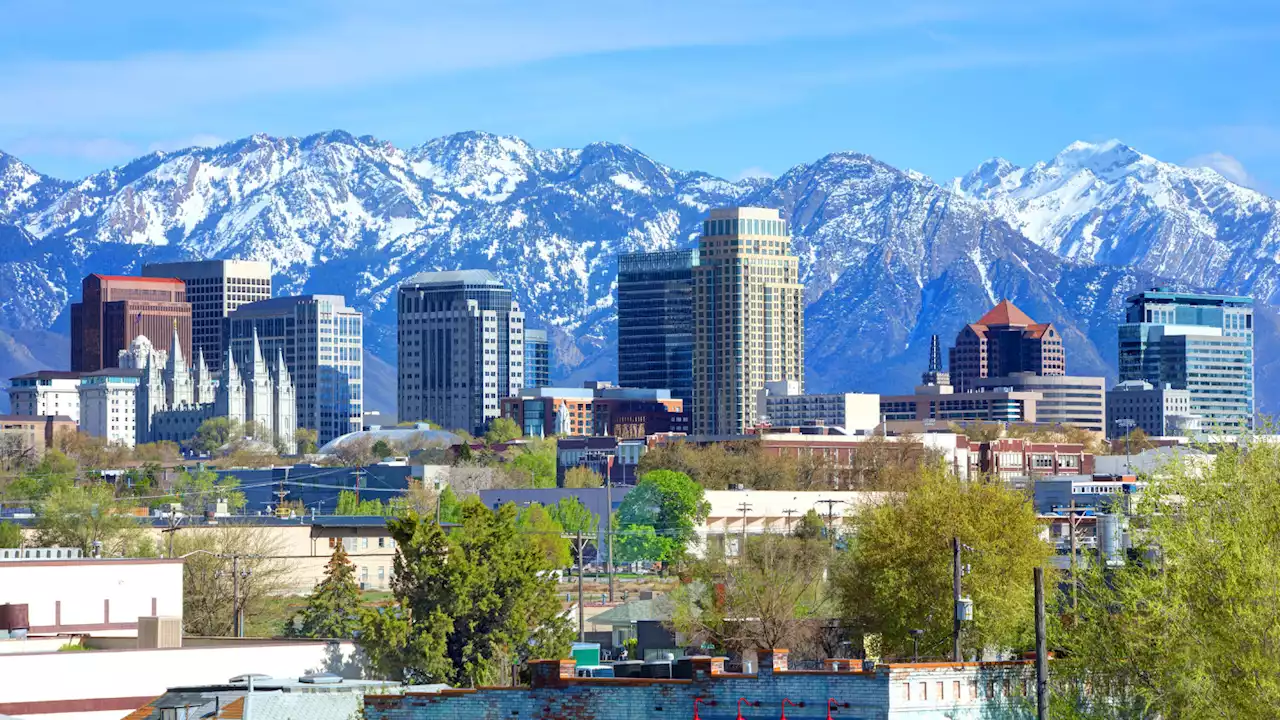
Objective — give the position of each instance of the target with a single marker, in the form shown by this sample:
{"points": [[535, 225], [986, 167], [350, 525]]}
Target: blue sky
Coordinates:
{"points": [[733, 88]]}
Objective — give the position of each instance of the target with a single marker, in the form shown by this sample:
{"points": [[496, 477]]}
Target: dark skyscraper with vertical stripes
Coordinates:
{"points": [[655, 321]]}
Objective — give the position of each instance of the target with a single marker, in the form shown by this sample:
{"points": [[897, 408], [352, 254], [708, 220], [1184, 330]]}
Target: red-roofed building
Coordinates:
{"points": [[1005, 341], [114, 310]]}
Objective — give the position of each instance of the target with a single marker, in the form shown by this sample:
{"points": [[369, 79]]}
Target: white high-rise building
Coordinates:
{"points": [[461, 348], [214, 289], [108, 404], [46, 392], [748, 309]]}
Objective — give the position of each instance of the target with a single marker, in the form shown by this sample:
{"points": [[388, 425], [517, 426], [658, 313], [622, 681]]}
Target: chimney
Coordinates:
{"points": [[771, 661], [550, 673]]}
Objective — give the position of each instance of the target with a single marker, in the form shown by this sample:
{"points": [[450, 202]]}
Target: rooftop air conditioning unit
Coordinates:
{"points": [[159, 631]]}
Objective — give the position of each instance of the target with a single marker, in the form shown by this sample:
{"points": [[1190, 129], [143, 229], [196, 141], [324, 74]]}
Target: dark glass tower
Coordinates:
{"points": [[655, 321], [537, 359]]}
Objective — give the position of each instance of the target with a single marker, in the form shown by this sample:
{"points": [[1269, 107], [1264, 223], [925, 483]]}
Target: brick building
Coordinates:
{"points": [[1016, 457], [701, 688], [113, 310], [1002, 342]]}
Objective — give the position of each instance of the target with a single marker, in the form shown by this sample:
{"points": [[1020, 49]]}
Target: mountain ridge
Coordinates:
{"points": [[888, 255]]}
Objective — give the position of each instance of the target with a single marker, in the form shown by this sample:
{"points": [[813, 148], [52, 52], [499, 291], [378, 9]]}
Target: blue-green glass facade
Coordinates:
{"points": [[655, 321], [1200, 343]]}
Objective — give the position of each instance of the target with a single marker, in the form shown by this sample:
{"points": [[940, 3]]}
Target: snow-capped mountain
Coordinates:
{"points": [[888, 256], [1109, 204]]}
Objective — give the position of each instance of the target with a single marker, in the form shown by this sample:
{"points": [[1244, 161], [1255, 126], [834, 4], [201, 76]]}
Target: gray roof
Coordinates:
{"points": [[658, 608], [454, 277], [49, 375], [276, 305], [395, 434]]}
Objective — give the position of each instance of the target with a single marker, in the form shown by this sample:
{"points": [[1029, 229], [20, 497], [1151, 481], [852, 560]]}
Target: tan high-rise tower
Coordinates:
{"points": [[748, 317]]}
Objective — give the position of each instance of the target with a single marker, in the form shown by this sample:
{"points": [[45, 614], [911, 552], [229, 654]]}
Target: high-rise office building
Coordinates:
{"points": [[214, 289], [537, 359], [655, 321], [748, 317], [461, 348], [1003, 342], [320, 339], [1200, 343], [114, 310]]}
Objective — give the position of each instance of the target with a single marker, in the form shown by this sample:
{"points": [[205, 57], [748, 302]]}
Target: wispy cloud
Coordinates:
{"points": [[1225, 165], [370, 48]]}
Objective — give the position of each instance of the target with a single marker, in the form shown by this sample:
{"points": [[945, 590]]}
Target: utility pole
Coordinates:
{"points": [[1042, 651], [1071, 528], [956, 571], [742, 549], [235, 596], [789, 512], [608, 510], [831, 518], [582, 628]]}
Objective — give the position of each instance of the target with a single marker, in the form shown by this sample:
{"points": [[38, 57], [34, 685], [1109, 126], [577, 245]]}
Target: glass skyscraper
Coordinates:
{"points": [[537, 359], [1199, 343], [322, 341], [655, 321]]}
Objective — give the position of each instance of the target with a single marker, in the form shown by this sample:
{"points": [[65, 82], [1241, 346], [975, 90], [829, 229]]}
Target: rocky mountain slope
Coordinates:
{"points": [[889, 257]]}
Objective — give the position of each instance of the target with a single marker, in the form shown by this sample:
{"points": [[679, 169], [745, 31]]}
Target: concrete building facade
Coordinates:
{"points": [[618, 412], [655, 321], [1076, 400], [1200, 343], [748, 316], [36, 432], [113, 310], [781, 404], [1157, 411], [321, 339], [1005, 341], [46, 392], [461, 348], [214, 289]]}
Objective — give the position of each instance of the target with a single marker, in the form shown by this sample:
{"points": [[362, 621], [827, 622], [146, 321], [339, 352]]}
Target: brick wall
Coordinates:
{"points": [[967, 691]]}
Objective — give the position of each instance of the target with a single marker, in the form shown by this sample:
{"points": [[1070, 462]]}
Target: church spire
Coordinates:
{"points": [[935, 376], [176, 359]]}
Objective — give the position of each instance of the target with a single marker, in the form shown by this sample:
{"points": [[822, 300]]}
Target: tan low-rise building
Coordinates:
{"points": [[37, 432], [306, 544]]}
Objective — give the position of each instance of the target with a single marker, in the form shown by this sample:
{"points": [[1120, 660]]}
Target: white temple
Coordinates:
{"points": [[174, 399]]}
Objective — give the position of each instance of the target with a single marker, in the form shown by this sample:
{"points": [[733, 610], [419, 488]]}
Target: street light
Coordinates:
{"points": [[915, 634], [1127, 424]]}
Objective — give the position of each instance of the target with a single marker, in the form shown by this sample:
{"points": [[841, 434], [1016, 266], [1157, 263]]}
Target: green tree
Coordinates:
{"points": [[197, 490], [163, 452], [573, 516], [306, 439], [639, 542], [897, 574], [209, 601], [332, 609], [582, 477], [467, 603], [450, 506], [382, 449], [537, 460], [89, 517], [769, 597], [546, 533], [810, 526], [669, 503], [502, 430], [1186, 626], [10, 535], [349, 503], [215, 433]]}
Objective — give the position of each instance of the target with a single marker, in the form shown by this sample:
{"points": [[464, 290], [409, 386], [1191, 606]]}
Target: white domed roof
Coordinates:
{"points": [[140, 343]]}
